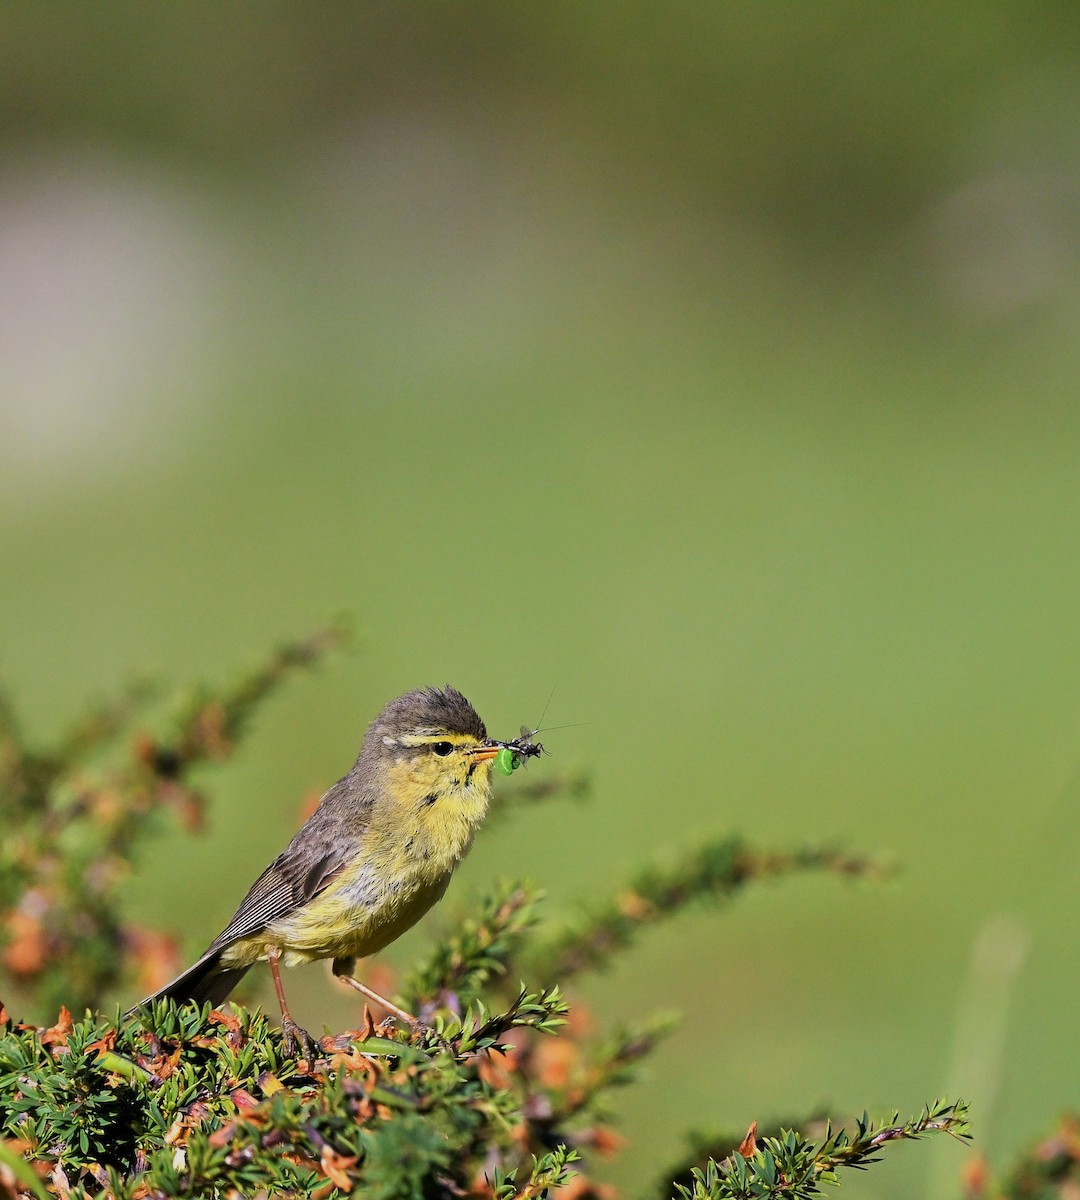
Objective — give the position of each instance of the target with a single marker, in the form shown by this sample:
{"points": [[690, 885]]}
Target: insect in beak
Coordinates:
{"points": [[513, 753]]}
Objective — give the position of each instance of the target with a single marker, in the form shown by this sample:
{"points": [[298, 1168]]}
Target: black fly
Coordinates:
{"points": [[524, 745]]}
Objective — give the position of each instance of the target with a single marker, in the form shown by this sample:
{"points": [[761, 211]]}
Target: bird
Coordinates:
{"points": [[374, 856]]}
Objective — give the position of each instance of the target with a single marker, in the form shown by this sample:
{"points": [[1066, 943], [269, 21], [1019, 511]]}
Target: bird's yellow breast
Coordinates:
{"points": [[418, 831]]}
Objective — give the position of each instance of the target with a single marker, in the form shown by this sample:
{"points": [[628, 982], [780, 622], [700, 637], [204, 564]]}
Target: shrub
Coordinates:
{"points": [[500, 1097]]}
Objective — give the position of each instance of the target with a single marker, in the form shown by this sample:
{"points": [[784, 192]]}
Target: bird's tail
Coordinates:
{"points": [[205, 980]]}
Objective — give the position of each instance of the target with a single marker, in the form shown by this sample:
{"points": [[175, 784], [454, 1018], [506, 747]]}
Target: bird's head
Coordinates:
{"points": [[430, 744]]}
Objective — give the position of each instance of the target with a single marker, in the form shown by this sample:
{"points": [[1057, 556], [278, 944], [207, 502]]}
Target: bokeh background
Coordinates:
{"points": [[714, 364]]}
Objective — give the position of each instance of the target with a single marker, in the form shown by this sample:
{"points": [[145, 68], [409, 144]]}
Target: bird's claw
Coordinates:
{"points": [[425, 1036], [296, 1040], [417, 1029]]}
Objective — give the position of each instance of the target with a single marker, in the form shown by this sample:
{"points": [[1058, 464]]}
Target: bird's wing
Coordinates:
{"points": [[312, 861]]}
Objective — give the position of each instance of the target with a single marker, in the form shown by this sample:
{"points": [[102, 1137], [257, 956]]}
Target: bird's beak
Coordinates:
{"points": [[485, 752]]}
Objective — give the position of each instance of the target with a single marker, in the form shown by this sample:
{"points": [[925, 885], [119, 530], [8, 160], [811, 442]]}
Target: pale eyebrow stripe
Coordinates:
{"points": [[436, 735]]}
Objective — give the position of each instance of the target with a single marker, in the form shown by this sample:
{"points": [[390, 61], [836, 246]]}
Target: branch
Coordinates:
{"points": [[213, 723], [575, 785], [791, 1168], [459, 965], [717, 870]]}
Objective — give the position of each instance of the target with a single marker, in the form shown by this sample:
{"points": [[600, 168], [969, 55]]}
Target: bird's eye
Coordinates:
{"points": [[442, 749]]}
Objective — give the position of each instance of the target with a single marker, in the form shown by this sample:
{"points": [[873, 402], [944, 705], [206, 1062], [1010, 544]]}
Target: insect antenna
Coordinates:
{"points": [[540, 723]]}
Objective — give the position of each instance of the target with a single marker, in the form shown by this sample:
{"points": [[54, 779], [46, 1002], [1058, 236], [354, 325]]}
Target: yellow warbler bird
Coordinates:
{"points": [[375, 855]]}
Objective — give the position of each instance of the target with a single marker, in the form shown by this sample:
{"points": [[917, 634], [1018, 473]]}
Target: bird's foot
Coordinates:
{"points": [[296, 1040], [392, 1022], [427, 1037]]}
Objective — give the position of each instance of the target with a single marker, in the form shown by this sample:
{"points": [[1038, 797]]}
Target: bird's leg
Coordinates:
{"points": [[343, 969], [293, 1036]]}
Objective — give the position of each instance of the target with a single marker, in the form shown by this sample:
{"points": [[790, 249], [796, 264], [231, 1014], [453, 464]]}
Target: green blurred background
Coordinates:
{"points": [[716, 363]]}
